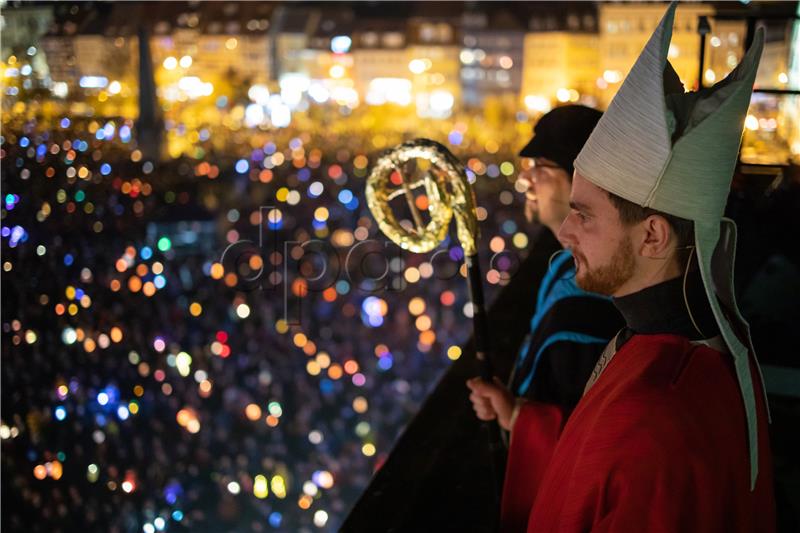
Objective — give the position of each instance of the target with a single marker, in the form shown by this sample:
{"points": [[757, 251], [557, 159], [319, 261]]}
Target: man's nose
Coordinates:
{"points": [[524, 177], [566, 236], [529, 176]]}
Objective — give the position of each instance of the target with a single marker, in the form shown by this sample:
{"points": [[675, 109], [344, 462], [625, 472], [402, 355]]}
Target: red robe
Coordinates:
{"points": [[658, 443]]}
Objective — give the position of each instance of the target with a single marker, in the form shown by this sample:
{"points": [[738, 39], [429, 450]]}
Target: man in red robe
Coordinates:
{"points": [[671, 432], [570, 326]]}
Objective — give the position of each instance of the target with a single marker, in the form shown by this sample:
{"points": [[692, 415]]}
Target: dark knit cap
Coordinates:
{"points": [[560, 134]]}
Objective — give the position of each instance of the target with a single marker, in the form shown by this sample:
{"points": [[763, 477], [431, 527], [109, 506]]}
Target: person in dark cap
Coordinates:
{"points": [[570, 326], [558, 137]]}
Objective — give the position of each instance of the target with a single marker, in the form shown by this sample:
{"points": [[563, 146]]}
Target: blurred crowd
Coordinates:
{"points": [[152, 383]]}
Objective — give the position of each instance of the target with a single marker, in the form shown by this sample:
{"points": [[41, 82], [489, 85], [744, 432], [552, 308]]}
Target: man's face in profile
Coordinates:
{"points": [[547, 192]]}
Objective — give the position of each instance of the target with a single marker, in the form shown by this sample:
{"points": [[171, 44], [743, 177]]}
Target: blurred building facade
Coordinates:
{"points": [[22, 28], [91, 48], [330, 66], [625, 28], [492, 55], [266, 61], [434, 52], [554, 54], [561, 57], [380, 61]]}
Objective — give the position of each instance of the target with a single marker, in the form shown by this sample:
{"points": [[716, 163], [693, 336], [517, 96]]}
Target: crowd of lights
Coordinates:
{"points": [[97, 176]]}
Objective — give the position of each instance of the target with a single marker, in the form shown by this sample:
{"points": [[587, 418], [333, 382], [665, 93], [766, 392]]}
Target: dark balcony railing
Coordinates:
{"points": [[439, 476]]}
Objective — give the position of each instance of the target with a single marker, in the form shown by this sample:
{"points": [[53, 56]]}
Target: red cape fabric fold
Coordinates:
{"points": [[659, 443]]}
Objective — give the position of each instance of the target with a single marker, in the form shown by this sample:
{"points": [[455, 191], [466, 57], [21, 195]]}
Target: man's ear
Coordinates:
{"points": [[657, 235]]}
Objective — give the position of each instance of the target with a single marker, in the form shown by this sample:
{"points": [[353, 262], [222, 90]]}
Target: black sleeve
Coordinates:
{"points": [[562, 372], [563, 366]]}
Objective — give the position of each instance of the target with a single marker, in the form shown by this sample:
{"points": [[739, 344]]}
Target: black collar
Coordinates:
{"points": [[661, 308]]}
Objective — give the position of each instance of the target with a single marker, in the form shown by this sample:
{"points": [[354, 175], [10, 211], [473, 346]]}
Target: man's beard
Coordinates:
{"points": [[607, 279]]}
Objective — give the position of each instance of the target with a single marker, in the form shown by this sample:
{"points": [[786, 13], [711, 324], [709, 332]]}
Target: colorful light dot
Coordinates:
{"points": [[252, 412], [243, 311], [260, 487], [454, 352], [368, 449]]}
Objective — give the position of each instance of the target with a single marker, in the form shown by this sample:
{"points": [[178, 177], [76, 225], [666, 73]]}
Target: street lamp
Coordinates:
{"points": [[702, 28]]}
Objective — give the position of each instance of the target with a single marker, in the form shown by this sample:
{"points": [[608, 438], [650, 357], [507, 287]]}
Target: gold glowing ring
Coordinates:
{"points": [[446, 187]]}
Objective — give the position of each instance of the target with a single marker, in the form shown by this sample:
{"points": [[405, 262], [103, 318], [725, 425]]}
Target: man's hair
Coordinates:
{"points": [[683, 229]]}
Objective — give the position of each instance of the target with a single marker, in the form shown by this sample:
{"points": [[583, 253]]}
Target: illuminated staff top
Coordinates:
{"points": [[447, 190], [449, 193]]}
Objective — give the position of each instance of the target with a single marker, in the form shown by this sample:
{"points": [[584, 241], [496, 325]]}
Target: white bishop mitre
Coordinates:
{"points": [[676, 152]]}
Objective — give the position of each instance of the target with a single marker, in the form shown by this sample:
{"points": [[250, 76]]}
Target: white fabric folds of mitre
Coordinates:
{"points": [[676, 152]]}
